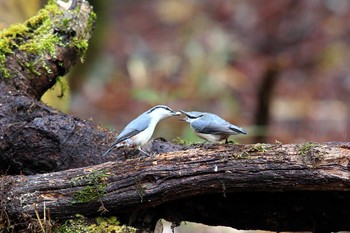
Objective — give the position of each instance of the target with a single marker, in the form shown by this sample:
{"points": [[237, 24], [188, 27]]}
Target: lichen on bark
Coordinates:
{"points": [[40, 36]]}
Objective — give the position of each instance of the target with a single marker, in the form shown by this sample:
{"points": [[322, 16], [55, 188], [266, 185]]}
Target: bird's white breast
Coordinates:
{"points": [[212, 137], [143, 137]]}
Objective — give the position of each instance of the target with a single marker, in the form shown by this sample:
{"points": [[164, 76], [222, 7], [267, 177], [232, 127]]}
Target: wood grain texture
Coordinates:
{"points": [[201, 177]]}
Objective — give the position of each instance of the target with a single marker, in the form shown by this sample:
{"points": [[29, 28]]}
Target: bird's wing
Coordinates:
{"points": [[237, 129], [211, 125], [134, 127], [123, 136]]}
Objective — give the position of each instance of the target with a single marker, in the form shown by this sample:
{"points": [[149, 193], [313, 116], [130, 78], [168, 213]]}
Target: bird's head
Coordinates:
{"points": [[191, 116], [161, 112]]}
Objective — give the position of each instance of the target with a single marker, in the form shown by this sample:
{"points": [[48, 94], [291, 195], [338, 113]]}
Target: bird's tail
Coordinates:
{"points": [[118, 144], [110, 149], [238, 130]]}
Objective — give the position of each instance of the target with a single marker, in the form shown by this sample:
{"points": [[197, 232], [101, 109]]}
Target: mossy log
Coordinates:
{"points": [[262, 186], [35, 138]]}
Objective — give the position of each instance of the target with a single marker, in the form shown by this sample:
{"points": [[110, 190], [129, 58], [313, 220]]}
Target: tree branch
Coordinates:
{"points": [[46, 46], [34, 137]]}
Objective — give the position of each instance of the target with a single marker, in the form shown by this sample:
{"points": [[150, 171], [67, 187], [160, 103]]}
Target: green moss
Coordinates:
{"points": [[3, 70], [99, 225], [245, 153], [8, 43], [30, 65], [37, 36], [260, 147], [89, 193], [306, 148], [63, 86], [181, 141], [96, 184], [92, 19], [82, 46], [309, 153], [242, 155]]}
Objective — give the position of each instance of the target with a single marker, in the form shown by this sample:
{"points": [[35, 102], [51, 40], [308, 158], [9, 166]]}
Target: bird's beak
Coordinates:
{"points": [[185, 113], [176, 113]]}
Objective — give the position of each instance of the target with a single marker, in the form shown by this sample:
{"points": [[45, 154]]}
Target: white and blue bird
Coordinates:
{"points": [[140, 130], [211, 127]]}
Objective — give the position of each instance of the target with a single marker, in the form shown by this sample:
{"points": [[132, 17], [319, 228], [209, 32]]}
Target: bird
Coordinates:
{"points": [[140, 130], [211, 127]]}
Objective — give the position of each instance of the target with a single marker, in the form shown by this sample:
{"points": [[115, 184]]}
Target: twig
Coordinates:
{"points": [[38, 217]]}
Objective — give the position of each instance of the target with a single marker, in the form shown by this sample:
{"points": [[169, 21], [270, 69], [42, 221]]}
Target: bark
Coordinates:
{"points": [[34, 137], [261, 186]]}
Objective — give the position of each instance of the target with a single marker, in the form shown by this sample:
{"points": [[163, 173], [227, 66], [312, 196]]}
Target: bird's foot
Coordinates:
{"points": [[144, 153]]}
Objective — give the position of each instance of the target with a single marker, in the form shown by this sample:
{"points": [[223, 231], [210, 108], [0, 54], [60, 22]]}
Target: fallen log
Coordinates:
{"points": [[261, 186]]}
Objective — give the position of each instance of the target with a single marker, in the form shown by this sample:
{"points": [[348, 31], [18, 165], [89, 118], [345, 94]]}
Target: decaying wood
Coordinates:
{"points": [[262, 186], [35, 138]]}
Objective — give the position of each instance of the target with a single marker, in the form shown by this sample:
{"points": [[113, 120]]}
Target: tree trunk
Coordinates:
{"points": [[261, 186], [34, 137]]}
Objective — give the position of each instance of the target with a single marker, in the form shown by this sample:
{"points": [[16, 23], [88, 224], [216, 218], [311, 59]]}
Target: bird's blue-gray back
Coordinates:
{"points": [[139, 124], [212, 124]]}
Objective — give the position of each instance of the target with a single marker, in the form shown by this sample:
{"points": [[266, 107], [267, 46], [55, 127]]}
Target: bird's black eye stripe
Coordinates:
{"points": [[156, 107], [194, 117]]}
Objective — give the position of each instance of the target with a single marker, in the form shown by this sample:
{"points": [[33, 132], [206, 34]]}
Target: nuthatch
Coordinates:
{"points": [[140, 130], [211, 127]]}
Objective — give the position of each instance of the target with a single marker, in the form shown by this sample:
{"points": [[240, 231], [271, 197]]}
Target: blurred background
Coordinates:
{"points": [[276, 68], [279, 69]]}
